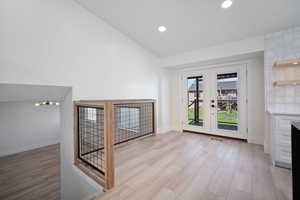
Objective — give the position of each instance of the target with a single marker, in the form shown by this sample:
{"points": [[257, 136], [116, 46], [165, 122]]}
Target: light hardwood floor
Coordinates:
{"points": [[186, 166], [32, 175]]}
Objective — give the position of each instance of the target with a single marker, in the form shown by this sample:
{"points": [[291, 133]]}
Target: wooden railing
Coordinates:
{"points": [[101, 125]]}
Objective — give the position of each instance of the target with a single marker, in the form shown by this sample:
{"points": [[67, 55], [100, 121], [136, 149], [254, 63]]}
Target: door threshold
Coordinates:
{"points": [[221, 136]]}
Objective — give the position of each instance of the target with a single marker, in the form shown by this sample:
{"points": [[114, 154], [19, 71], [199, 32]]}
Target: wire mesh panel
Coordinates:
{"points": [[91, 137], [133, 120]]}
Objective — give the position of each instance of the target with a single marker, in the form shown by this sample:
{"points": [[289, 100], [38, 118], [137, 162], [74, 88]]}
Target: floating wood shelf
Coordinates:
{"points": [[287, 63], [286, 83]]}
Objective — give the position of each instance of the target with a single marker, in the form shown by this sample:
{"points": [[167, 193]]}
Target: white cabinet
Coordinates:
{"points": [[281, 139]]}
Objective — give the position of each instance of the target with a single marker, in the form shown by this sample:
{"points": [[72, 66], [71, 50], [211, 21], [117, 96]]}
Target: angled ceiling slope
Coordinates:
{"points": [[194, 24]]}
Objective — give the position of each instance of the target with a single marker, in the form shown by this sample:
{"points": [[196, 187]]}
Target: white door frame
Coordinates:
{"points": [[209, 125], [206, 126]]}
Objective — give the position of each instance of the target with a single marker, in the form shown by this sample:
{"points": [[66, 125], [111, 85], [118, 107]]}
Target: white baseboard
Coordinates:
{"points": [[27, 147]]}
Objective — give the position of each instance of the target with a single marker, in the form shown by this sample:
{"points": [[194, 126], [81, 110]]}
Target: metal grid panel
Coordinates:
{"points": [[133, 120], [91, 137]]}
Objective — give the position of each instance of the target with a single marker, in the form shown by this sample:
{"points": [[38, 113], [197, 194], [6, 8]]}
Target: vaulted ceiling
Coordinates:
{"points": [[194, 24]]}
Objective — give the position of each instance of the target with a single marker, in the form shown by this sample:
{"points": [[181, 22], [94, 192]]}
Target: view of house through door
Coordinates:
{"points": [[214, 101], [226, 101]]}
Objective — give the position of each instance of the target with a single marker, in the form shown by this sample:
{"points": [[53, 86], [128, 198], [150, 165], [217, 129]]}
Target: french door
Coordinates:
{"points": [[214, 101]]}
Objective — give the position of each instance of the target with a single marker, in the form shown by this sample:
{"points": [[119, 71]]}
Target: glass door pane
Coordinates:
{"points": [[195, 96], [227, 101]]}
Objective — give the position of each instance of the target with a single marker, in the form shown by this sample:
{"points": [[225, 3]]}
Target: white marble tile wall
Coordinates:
{"points": [[281, 46]]}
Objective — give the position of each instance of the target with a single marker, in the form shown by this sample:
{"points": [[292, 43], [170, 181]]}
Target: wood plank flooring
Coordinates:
{"points": [[31, 175], [186, 166]]}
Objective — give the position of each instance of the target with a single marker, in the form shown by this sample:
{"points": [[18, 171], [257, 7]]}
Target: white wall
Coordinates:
{"points": [[256, 104], [57, 42], [255, 82], [24, 126], [164, 105], [236, 48]]}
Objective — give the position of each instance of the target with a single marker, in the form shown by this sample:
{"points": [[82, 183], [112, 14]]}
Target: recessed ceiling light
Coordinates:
{"points": [[295, 63], [162, 29], [227, 4]]}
